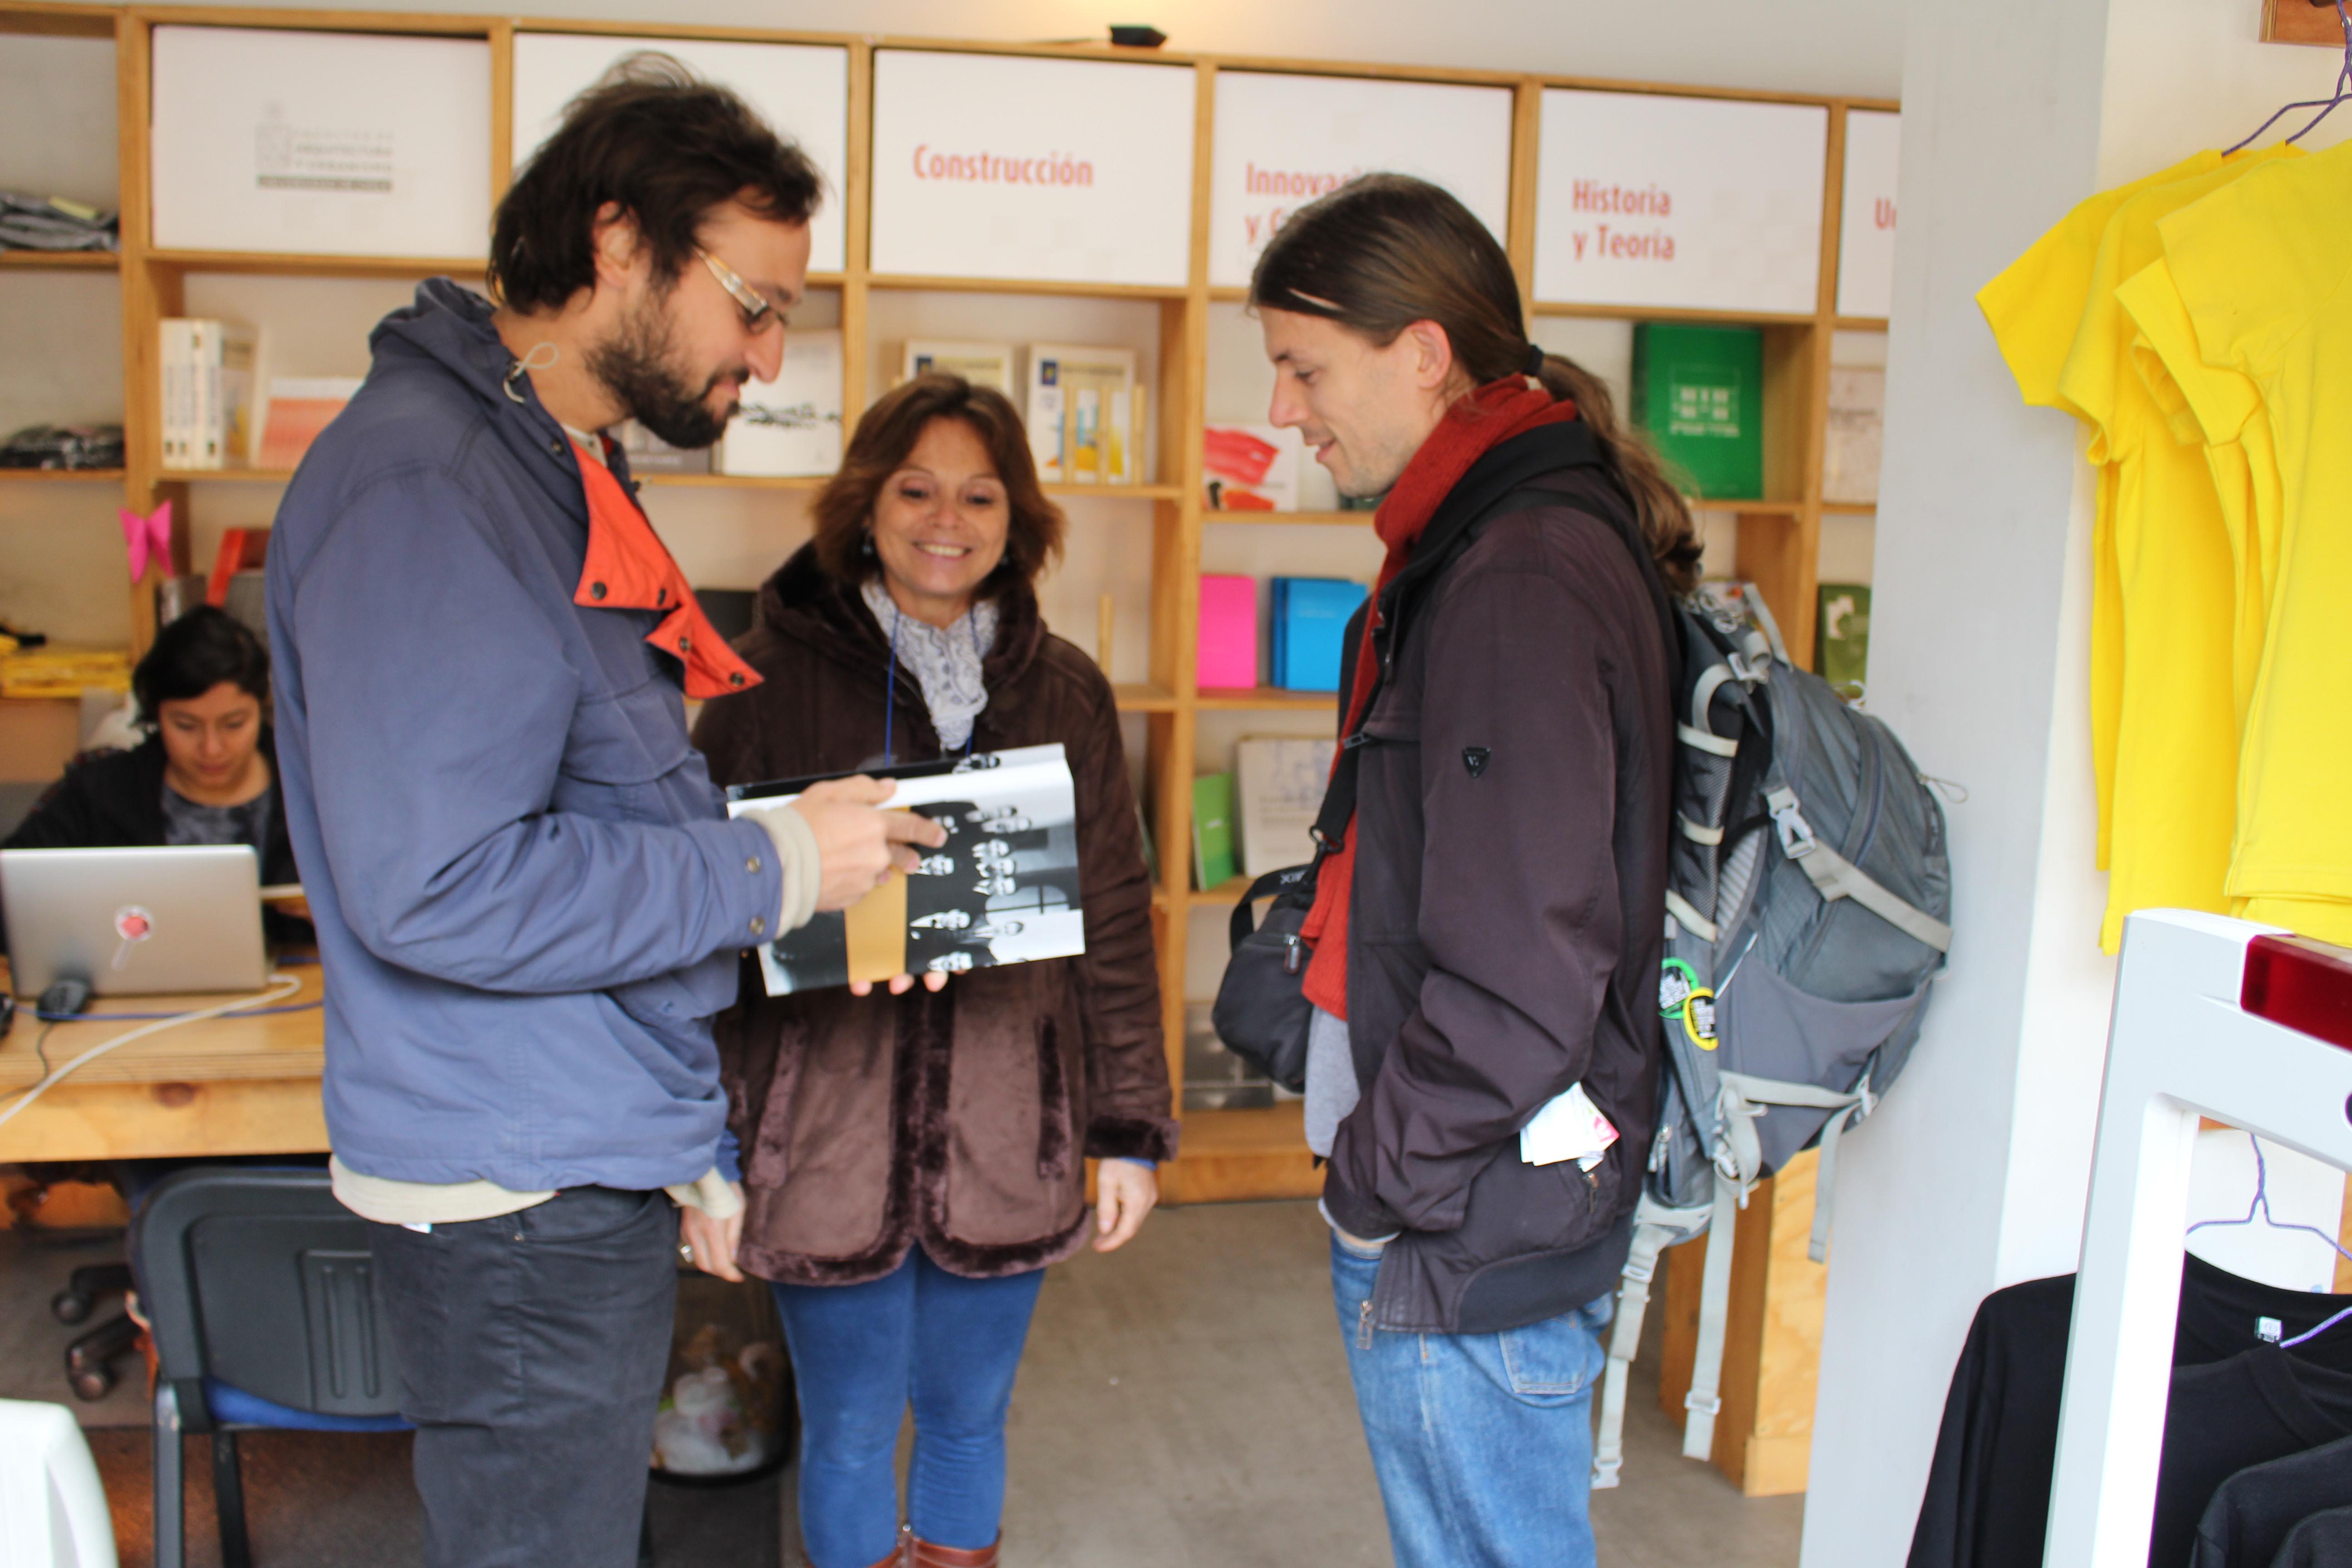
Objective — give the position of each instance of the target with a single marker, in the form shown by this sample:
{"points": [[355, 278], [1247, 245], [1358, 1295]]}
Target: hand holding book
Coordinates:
{"points": [[857, 845]]}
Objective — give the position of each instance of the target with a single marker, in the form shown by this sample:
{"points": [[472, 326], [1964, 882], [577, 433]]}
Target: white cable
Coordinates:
{"points": [[282, 986]]}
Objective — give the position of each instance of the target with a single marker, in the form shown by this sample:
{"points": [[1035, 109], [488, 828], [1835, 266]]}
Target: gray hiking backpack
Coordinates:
{"points": [[1809, 893]]}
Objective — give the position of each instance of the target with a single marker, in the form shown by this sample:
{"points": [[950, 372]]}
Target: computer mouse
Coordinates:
{"points": [[65, 997]]}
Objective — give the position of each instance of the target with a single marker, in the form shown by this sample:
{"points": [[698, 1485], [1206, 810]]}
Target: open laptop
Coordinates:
{"points": [[134, 922]]}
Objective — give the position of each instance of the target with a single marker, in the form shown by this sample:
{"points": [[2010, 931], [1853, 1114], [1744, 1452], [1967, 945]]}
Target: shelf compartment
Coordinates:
{"points": [[1028, 286], [42, 20], [1266, 699], [60, 261], [280, 264], [1144, 699], [1256, 1153], [1115, 492], [711, 481], [738, 481], [1340, 519], [1671, 313], [1223, 896]]}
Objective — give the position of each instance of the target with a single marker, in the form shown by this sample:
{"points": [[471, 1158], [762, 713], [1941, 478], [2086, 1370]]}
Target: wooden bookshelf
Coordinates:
{"points": [[1226, 1154], [59, 260]]}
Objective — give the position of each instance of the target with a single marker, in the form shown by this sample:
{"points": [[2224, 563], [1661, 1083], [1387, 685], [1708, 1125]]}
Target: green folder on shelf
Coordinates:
{"points": [[1699, 391], [1841, 637], [1213, 831]]}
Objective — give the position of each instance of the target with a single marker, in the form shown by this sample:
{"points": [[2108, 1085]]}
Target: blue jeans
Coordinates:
{"points": [[1483, 1443], [861, 1354]]}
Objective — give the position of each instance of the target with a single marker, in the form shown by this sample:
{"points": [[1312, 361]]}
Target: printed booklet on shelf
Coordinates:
{"points": [[1004, 889]]}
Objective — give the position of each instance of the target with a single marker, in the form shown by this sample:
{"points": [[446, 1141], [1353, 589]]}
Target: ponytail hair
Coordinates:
{"points": [[1385, 251]]}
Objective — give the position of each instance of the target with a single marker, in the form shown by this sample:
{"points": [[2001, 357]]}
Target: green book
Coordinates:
{"points": [[1213, 831], [1699, 391], [1841, 637]]}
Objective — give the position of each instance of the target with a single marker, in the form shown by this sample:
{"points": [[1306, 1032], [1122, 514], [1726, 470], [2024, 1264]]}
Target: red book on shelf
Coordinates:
{"points": [[1228, 649], [241, 550]]}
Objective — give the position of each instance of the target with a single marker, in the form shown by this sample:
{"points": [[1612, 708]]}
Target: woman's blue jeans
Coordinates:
{"points": [[1483, 1443], [861, 1355]]}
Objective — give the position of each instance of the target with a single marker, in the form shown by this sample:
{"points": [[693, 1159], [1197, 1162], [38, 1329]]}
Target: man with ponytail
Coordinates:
{"points": [[1486, 932]]}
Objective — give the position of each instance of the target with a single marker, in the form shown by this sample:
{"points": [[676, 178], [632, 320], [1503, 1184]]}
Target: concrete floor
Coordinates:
{"points": [[1184, 1403]]}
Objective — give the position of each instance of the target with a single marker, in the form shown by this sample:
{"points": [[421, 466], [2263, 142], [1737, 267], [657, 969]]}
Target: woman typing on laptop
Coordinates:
{"points": [[205, 774]]}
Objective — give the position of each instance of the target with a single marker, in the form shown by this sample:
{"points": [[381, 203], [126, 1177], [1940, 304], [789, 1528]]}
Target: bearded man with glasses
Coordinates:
{"points": [[528, 898]]}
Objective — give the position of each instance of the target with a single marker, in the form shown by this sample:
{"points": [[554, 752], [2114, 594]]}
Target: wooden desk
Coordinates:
{"points": [[225, 1086]]}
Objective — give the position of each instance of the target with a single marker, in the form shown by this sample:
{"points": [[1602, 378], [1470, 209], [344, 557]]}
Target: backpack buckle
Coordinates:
{"points": [[1796, 835]]}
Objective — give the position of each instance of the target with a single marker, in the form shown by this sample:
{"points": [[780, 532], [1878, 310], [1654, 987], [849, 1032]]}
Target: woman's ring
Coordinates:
{"points": [[686, 1250]]}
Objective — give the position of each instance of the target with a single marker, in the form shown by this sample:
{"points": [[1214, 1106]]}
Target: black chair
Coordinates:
{"points": [[261, 1293]]}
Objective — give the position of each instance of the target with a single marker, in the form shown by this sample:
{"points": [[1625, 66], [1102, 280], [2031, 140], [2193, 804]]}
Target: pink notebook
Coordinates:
{"points": [[1228, 632]]}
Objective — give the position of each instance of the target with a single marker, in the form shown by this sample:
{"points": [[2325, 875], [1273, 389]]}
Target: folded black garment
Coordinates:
{"points": [[2323, 1540], [2256, 1510], [51, 222], [64, 446], [2262, 1406], [1988, 1497]]}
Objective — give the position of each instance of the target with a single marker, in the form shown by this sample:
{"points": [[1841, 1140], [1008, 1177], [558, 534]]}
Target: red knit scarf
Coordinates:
{"points": [[1473, 426]]}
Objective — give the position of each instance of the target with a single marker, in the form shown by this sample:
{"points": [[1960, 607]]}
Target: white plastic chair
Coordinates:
{"points": [[52, 1510], [2212, 1017]]}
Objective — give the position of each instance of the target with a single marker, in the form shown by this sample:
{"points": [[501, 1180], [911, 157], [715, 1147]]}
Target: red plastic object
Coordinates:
{"points": [[2304, 984]]}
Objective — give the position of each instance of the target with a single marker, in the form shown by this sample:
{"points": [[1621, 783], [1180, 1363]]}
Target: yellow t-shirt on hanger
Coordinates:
{"points": [[2175, 792], [2262, 265], [2217, 409], [2164, 598], [2035, 307]]}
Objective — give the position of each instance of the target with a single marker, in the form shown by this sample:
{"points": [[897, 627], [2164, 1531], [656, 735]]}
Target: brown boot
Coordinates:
{"points": [[900, 1555], [927, 1555]]}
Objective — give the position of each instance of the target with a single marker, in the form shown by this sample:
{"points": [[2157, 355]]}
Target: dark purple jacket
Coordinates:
{"points": [[1506, 923]]}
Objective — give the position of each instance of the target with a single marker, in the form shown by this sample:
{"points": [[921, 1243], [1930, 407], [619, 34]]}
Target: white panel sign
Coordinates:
{"points": [[997, 166], [1685, 203], [1282, 141], [800, 90], [320, 143], [1874, 142]]}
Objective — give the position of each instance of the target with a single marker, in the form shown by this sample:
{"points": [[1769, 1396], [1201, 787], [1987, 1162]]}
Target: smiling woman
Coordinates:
{"points": [[907, 629], [938, 493]]}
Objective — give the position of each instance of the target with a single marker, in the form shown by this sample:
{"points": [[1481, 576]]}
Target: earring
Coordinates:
{"points": [[865, 547]]}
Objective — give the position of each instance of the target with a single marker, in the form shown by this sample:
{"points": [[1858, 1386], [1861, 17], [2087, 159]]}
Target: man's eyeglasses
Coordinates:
{"points": [[758, 310]]}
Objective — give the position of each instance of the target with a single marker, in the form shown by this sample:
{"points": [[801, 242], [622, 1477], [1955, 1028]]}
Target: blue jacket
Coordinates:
{"points": [[528, 900]]}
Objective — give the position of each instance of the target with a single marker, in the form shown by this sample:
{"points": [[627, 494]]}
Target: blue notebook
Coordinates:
{"points": [[1310, 620]]}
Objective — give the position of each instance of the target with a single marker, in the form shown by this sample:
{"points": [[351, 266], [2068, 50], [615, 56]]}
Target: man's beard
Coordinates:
{"points": [[634, 364]]}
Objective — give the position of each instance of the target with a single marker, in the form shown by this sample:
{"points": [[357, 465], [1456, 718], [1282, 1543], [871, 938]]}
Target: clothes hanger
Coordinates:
{"points": [[2261, 1207], [2340, 93]]}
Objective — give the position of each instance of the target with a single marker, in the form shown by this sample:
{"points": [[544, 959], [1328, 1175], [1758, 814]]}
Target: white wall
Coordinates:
{"points": [[1973, 1174], [1792, 46]]}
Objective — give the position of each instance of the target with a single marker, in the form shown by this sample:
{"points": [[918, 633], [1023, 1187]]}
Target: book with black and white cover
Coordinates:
{"points": [[1004, 889]]}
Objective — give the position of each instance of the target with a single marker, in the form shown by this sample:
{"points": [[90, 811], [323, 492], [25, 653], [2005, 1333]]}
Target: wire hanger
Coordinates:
{"points": [[2262, 1207], [2341, 93]]}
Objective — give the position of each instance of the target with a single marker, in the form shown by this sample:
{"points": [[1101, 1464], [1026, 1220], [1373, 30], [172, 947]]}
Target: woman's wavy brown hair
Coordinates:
{"points": [[844, 508], [1385, 251]]}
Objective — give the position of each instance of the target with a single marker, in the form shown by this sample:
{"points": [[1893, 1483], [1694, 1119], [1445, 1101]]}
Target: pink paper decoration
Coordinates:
{"points": [[148, 538]]}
